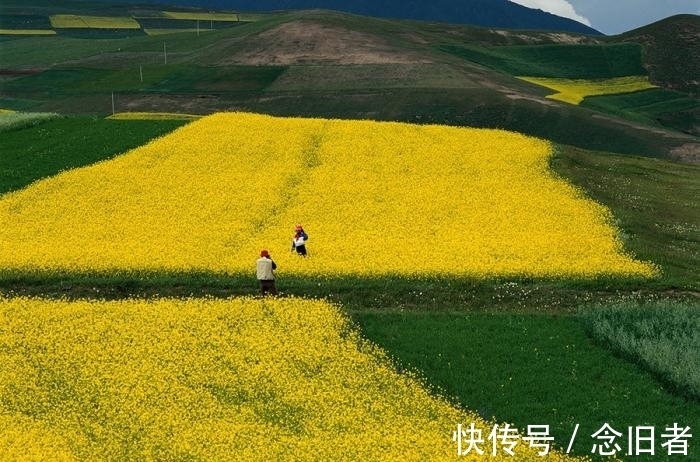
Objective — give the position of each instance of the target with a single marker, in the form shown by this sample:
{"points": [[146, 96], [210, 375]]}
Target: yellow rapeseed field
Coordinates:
{"points": [[215, 380], [27, 32], [376, 198], [192, 16], [63, 21], [573, 91]]}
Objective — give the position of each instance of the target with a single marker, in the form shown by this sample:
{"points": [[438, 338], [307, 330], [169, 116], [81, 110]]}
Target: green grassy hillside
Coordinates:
{"points": [[666, 107], [599, 61], [294, 64], [56, 145], [671, 53]]}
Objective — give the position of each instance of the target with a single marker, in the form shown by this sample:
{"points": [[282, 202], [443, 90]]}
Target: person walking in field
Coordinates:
{"points": [[265, 268], [299, 240]]}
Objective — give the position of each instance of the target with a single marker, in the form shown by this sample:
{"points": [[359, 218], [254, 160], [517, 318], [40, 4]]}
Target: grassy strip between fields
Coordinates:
{"points": [[152, 78], [154, 32], [152, 116], [662, 337], [397, 294]]}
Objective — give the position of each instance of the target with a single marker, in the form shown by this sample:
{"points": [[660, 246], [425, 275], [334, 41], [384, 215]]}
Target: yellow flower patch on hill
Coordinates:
{"points": [[191, 15], [27, 32], [573, 91], [67, 21], [376, 198]]}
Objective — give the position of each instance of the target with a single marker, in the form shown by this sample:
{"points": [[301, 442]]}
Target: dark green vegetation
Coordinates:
{"points": [[531, 370], [667, 107], [62, 83], [25, 21], [595, 61], [511, 349], [655, 204], [671, 47], [46, 149]]}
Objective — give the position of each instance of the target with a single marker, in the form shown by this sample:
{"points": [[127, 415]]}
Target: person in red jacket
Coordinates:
{"points": [[299, 240]]}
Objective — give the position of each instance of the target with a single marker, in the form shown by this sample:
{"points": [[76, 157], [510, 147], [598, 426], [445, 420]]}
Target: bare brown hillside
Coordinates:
{"points": [[310, 42]]}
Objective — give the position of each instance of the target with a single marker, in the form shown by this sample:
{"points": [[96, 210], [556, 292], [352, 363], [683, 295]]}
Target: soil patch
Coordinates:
{"points": [[689, 153], [310, 42]]}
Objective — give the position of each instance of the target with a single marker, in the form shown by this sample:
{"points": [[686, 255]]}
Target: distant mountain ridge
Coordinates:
{"points": [[485, 13]]}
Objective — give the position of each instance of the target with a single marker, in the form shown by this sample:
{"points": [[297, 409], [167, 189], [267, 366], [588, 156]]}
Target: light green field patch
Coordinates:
{"points": [[155, 32], [573, 91], [70, 21], [201, 16], [152, 116], [12, 119], [663, 337], [27, 32]]}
